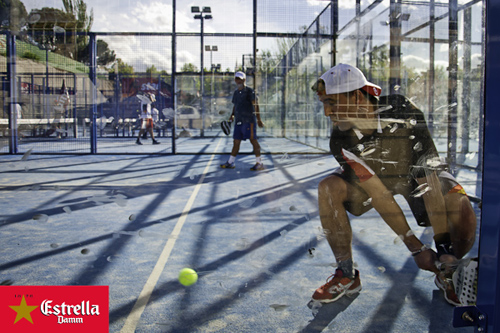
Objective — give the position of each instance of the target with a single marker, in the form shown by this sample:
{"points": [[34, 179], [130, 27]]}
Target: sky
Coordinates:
{"points": [[229, 16], [156, 16]]}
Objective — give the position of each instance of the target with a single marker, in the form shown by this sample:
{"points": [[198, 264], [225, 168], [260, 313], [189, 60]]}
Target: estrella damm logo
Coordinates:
{"points": [[54, 309]]}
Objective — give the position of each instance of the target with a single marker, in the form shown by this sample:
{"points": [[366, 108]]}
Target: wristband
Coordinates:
{"points": [[443, 244], [422, 249]]}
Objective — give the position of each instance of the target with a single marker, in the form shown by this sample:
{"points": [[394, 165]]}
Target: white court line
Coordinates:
{"points": [[143, 299]]}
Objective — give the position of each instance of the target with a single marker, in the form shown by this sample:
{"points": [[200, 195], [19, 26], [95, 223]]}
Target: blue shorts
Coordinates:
{"points": [[243, 131]]}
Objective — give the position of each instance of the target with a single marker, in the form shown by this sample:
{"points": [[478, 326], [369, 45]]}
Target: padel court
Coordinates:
{"points": [[84, 205], [132, 222]]}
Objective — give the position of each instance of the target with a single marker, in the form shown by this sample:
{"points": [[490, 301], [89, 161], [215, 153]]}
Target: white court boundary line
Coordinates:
{"points": [[143, 299]]}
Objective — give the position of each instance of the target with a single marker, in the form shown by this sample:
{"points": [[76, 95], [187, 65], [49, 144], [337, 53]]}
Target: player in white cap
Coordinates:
{"points": [[384, 148], [246, 117]]}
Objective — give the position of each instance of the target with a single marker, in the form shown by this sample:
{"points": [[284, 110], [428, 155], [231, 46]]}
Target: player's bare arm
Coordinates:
{"points": [[434, 202], [384, 203], [231, 117]]}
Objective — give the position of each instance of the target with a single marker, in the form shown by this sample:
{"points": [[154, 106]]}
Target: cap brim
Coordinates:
{"points": [[372, 89]]}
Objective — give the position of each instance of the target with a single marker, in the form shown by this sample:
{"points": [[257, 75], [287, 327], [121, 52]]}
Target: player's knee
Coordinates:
{"points": [[460, 210], [463, 225], [467, 215], [332, 186]]}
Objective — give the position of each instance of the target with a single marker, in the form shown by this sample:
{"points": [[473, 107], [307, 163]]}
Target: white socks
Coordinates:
{"points": [[233, 158]]}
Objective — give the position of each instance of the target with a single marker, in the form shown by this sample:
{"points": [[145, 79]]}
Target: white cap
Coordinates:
{"points": [[346, 78], [240, 75]]}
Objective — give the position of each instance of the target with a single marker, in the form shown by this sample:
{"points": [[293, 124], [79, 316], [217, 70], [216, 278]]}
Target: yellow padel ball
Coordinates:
{"points": [[188, 277]]}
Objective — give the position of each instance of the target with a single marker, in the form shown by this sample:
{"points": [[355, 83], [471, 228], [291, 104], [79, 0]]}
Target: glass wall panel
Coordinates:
{"points": [[48, 96]]}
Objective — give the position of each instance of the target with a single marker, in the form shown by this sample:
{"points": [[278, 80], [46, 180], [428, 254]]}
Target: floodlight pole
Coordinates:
{"points": [[202, 129], [202, 17], [211, 48]]}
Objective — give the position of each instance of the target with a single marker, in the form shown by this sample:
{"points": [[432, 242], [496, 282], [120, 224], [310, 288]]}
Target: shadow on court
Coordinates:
{"points": [[248, 234]]}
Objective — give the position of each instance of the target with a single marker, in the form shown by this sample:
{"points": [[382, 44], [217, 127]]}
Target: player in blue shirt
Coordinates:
{"points": [[246, 118]]}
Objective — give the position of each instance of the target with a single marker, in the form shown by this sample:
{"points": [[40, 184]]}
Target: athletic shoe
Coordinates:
{"points": [[227, 165], [257, 167], [444, 282], [138, 142], [337, 286], [156, 142]]}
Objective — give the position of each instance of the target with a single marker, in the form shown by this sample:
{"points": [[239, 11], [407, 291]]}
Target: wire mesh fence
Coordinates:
{"points": [[283, 47]]}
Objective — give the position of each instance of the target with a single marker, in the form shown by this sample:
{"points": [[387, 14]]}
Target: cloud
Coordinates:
{"points": [[137, 51], [142, 17]]}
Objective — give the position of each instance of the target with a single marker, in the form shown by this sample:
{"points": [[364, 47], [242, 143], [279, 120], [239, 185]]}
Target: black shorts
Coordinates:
{"points": [[416, 203]]}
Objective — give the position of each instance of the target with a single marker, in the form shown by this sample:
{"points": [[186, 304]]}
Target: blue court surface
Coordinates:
{"points": [[133, 221]]}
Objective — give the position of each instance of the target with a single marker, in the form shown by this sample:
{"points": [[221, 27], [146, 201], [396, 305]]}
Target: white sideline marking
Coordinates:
{"points": [[143, 299]]}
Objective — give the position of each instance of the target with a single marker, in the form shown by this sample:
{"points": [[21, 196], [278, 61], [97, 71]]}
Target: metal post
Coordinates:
{"points": [[479, 184], [466, 85], [75, 116], [254, 40], [11, 77], [395, 47], [174, 69], [93, 85], [431, 72], [335, 28], [47, 89], [202, 82], [452, 83], [485, 313], [358, 27]]}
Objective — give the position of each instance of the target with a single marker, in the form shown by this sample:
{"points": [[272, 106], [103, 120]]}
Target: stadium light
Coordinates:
{"points": [[211, 49], [202, 16]]}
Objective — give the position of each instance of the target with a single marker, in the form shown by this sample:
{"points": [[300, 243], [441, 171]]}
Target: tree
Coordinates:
{"points": [[154, 71], [78, 10], [189, 67], [105, 56], [266, 62], [124, 68], [83, 22], [13, 15], [44, 23], [57, 29]]}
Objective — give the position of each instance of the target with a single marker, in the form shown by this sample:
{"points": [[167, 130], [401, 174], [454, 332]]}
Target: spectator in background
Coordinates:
{"points": [[147, 120]]}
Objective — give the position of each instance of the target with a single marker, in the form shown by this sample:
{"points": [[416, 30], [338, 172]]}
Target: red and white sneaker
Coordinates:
{"points": [[445, 283], [337, 286]]}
